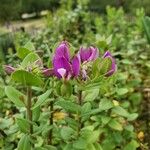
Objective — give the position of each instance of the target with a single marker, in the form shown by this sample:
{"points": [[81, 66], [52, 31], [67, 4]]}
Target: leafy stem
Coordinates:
{"points": [[80, 124], [28, 107], [50, 135], [51, 107]]}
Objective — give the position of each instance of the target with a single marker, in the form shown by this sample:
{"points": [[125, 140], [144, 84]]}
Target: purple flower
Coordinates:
{"points": [[63, 51], [88, 54], [63, 65], [9, 69], [113, 63], [76, 65]]}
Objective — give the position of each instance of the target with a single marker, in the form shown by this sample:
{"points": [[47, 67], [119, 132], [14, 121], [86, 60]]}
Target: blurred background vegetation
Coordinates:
{"points": [[9, 11], [109, 24]]}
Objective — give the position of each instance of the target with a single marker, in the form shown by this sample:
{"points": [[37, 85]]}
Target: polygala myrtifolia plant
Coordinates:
{"points": [[61, 106]]}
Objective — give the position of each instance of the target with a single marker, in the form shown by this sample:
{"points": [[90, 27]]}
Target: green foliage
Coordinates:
{"points": [[30, 59], [15, 96], [23, 125], [114, 124], [68, 106], [8, 10], [42, 98], [133, 145], [24, 143], [22, 52], [26, 78], [146, 23], [103, 120]]}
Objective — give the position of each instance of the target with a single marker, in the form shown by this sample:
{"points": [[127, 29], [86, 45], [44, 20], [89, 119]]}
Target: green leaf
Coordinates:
{"points": [[93, 137], [68, 147], [26, 78], [66, 89], [2, 93], [15, 96], [71, 122], [40, 148], [42, 98], [105, 104], [129, 128], [132, 117], [66, 133], [24, 143], [135, 98], [90, 147], [22, 52], [108, 144], [50, 147], [98, 146], [80, 144], [90, 95], [105, 119], [86, 108], [114, 124], [101, 66], [23, 124], [94, 84], [105, 65], [120, 111], [146, 24], [90, 135], [127, 62], [68, 106], [117, 137], [122, 91], [36, 113], [95, 67], [133, 145], [29, 45], [30, 59]]}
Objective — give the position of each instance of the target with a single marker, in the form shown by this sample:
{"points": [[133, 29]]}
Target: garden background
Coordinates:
{"points": [[121, 26]]}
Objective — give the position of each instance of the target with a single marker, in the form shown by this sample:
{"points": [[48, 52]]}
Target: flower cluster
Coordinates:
{"points": [[65, 66]]}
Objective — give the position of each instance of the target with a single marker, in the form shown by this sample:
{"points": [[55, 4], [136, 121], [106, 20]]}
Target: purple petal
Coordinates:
{"points": [[48, 72], [62, 72], [61, 62], [85, 54], [95, 53], [76, 66], [107, 53], [9, 69], [113, 65], [88, 54], [62, 51]]}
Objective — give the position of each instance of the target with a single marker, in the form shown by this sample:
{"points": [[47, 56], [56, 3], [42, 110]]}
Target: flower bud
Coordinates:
{"points": [[9, 69], [48, 72]]}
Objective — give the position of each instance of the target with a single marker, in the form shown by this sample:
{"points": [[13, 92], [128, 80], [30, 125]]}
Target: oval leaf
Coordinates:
{"points": [[114, 124], [90, 95], [26, 78], [23, 125], [42, 98], [69, 106], [29, 59], [24, 143], [15, 96], [22, 52]]}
